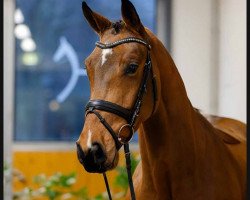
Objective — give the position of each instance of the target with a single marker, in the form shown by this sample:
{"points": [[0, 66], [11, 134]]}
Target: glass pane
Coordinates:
{"points": [[52, 41]]}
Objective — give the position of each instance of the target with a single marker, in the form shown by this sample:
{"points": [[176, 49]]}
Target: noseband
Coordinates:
{"points": [[130, 115]]}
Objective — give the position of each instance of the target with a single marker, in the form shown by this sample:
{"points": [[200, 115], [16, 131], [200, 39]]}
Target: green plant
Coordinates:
{"points": [[57, 186], [121, 179]]}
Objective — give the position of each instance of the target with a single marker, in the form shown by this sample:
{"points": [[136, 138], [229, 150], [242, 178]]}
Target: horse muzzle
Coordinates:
{"points": [[94, 159]]}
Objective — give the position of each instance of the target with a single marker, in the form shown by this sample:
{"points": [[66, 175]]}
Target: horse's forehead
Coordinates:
{"points": [[105, 54], [101, 56]]}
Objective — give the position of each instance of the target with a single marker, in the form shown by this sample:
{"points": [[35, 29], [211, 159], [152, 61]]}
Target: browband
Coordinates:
{"points": [[122, 41]]}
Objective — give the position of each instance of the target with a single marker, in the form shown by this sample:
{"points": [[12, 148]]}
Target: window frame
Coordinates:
{"points": [[162, 7]]}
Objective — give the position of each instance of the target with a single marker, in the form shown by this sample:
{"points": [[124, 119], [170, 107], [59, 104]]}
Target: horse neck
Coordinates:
{"points": [[169, 135], [174, 112]]}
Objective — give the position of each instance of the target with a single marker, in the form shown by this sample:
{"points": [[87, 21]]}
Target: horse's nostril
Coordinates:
{"points": [[93, 159], [98, 153], [80, 153]]}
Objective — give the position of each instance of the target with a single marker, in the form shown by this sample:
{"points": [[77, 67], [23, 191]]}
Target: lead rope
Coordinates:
{"points": [[129, 172], [128, 166], [107, 185]]}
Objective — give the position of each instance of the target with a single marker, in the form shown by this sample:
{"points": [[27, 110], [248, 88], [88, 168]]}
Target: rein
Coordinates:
{"points": [[129, 115]]}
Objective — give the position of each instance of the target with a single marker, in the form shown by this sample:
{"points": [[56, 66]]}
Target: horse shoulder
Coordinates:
{"points": [[137, 176]]}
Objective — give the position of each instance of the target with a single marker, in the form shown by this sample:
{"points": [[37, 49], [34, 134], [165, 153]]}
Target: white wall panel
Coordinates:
{"points": [[208, 45], [191, 48], [232, 60]]}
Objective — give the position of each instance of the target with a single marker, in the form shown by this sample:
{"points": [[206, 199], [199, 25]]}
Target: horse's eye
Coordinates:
{"points": [[131, 69]]}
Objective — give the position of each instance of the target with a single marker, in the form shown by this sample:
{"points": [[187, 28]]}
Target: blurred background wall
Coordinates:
{"points": [[208, 45], [207, 40]]}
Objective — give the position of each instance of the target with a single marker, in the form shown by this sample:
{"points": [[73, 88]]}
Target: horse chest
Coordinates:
{"points": [[151, 185]]}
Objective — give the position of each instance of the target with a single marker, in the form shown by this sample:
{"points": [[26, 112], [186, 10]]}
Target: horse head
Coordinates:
{"points": [[116, 71]]}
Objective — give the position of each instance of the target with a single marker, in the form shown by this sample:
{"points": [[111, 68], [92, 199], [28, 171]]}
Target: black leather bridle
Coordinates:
{"points": [[129, 115]]}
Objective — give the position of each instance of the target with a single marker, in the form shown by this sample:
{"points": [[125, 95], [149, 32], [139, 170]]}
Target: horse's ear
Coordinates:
{"points": [[131, 18], [96, 21]]}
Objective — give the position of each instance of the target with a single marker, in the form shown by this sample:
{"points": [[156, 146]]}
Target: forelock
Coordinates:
{"points": [[117, 26]]}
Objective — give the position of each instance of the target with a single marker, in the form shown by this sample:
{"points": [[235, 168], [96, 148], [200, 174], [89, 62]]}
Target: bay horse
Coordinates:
{"points": [[184, 155]]}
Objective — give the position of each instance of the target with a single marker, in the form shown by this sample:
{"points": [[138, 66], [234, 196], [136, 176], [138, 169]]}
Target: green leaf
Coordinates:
{"points": [[122, 180], [82, 192], [52, 194], [39, 179], [98, 197]]}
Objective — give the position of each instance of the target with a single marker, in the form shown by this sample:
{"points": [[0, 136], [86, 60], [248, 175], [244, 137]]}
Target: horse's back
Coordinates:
{"points": [[231, 127], [233, 134]]}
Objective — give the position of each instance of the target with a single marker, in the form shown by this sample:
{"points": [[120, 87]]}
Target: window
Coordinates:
{"points": [[51, 87]]}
